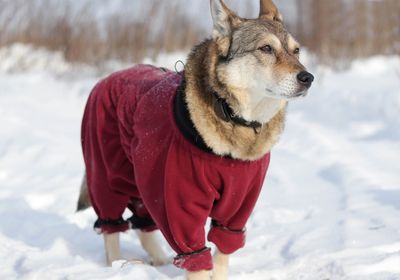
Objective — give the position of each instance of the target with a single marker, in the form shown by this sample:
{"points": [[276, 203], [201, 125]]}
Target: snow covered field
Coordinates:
{"points": [[330, 207]]}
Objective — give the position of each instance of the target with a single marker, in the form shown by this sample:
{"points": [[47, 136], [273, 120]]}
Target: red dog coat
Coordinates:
{"points": [[137, 157]]}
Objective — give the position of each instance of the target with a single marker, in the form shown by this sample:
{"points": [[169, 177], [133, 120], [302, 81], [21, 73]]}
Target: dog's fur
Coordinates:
{"points": [[254, 65]]}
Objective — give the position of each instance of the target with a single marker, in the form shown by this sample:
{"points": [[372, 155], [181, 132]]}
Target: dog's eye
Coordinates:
{"points": [[296, 51], [267, 49]]}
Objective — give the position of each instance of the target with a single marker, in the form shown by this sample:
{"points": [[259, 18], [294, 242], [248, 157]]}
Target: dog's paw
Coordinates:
{"points": [[124, 263], [160, 261]]}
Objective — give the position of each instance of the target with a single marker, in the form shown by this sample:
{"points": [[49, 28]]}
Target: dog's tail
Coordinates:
{"points": [[84, 199]]}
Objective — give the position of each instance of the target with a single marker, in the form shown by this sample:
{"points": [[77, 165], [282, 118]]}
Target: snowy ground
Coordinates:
{"points": [[330, 208]]}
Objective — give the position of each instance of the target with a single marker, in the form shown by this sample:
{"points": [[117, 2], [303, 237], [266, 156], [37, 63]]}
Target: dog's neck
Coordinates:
{"points": [[227, 138], [260, 108]]}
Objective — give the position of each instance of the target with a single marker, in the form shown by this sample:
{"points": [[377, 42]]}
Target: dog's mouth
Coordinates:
{"points": [[300, 94], [295, 95]]}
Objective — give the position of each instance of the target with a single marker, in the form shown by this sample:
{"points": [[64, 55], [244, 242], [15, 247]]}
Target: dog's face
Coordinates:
{"points": [[258, 56]]}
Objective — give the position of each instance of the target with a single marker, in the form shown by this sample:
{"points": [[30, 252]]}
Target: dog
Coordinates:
{"points": [[178, 148]]}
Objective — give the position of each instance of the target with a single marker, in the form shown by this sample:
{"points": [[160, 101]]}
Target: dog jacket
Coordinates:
{"points": [[136, 157]]}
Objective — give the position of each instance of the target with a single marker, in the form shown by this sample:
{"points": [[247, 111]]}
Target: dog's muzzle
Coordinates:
{"points": [[305, 78]]}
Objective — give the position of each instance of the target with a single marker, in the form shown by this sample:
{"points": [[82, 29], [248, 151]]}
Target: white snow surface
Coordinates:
{"points": [[329, 209]]}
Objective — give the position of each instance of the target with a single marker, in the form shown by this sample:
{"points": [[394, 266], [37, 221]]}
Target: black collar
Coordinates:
{"points": [[221, 108], [225, 112]]}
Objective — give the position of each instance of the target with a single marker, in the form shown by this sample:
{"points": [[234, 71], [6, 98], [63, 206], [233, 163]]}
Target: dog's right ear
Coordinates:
{"points": [[269, 11], [223, 22]]}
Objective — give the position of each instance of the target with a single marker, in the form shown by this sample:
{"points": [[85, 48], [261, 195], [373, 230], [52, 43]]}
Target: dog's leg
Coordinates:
{"points": [[221, 264], [152, 247], [111, 244], [198, 275]]}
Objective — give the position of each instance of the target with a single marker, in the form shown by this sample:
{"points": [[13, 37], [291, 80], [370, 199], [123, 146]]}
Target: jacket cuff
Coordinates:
{"points": [[145, 224], [227, 240], [110, 226], [195, 261]]}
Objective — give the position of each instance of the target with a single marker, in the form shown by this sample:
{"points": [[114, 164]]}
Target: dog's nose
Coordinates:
{"points": [[305, 78]]}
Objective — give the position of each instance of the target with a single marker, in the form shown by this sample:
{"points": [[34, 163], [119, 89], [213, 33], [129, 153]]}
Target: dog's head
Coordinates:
{"points": [[258, 57]]}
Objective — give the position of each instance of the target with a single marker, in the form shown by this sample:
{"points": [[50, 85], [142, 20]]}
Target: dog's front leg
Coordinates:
{"points": [[152, 247], [198, 275], [111, 244], [221, 265]]}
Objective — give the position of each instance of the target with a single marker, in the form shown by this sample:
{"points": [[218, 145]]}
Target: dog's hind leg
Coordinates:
{"points": [[152, 247], [221, 264], [198, 275], [112, 246]]}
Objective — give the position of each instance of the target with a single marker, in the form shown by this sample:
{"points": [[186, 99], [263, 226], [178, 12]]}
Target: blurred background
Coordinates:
{"points": [[96, 30]]}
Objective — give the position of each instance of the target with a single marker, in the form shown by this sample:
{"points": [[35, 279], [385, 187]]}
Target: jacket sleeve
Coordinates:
{"points": [[188, 204], [229, 235], [228, 231]]}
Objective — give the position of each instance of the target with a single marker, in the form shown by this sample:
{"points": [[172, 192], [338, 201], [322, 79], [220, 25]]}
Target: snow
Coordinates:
{"points": [[330, 207]]}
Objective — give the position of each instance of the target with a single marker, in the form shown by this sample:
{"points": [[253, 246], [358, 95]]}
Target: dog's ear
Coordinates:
{"points": [[224, 21], [269, 11]]}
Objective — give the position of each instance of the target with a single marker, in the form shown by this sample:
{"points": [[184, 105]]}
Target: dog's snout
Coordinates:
{"points": [[305, 78]]}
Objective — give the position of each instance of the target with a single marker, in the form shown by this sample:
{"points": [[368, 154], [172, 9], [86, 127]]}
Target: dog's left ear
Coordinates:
{"points": [[269, 11], [224, 21]]}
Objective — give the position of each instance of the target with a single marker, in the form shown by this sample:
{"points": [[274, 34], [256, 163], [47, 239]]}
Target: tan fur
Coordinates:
{"points": [[222, 28], [292, 43], [198, 275], [268, 10], [271, 39], [223, 45], [148, 240], [111, 244], [220, 271], [221, 265]]}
